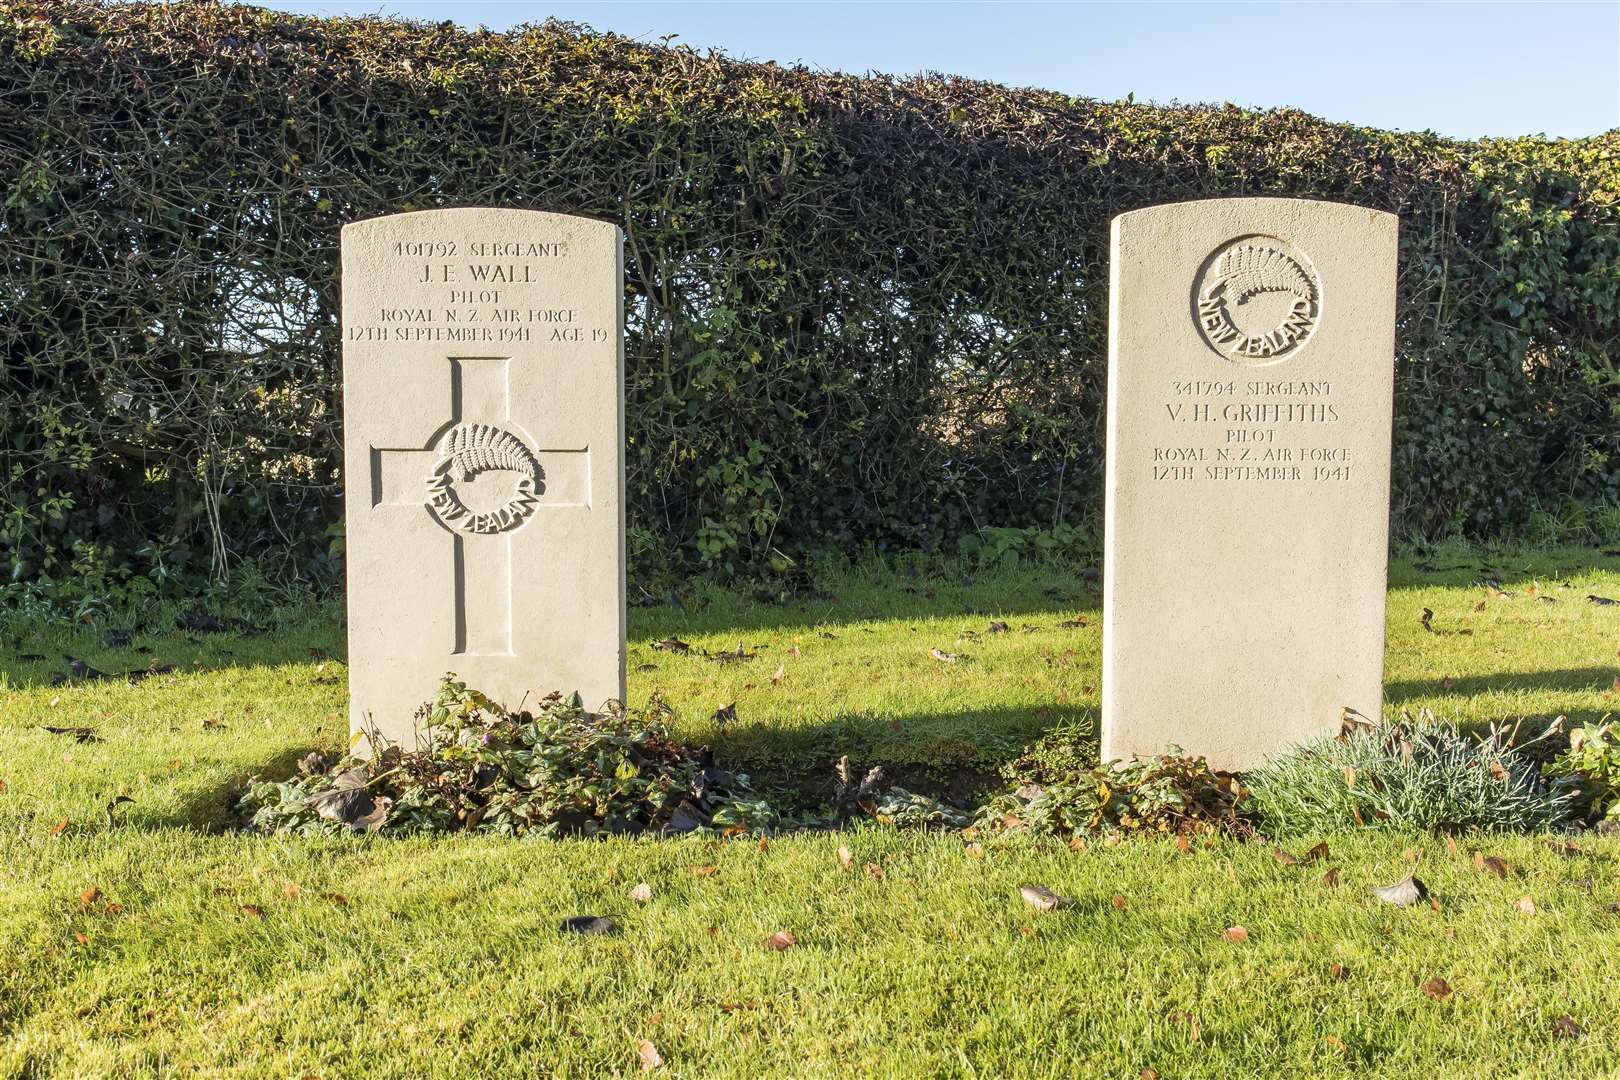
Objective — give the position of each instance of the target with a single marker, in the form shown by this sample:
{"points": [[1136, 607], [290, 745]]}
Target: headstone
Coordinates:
{"points": [[1250, 400], [483, 407]]}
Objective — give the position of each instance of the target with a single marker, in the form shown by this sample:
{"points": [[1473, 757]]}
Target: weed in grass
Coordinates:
{"points": [[1409, 777]]}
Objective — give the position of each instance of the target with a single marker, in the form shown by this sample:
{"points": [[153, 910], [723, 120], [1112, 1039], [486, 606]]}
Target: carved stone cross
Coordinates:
{"points": [[480, 479]]}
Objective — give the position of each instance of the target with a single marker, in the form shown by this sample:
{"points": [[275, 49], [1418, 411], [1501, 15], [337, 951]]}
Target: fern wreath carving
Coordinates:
{"points": [[466, 452]]}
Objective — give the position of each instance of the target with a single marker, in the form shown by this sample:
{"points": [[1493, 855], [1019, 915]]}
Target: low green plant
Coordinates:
{"points": [[1592, 763], [1170, 794], [558, 770], [1407, 776]]}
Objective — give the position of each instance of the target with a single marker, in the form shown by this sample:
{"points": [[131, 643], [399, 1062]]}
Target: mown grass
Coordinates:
{"points": [[228, 955]]}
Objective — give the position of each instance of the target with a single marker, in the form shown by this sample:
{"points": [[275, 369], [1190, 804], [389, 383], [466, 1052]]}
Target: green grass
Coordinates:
{"points": [[446, 959]]}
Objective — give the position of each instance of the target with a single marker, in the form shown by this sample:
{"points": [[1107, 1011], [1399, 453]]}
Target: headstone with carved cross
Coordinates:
{"points": [[483, 375]]}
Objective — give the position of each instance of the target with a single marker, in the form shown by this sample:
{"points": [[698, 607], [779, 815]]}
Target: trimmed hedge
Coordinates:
{"points": [[860, 310]]}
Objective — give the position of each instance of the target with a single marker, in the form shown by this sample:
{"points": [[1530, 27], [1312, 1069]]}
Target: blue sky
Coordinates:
{"points": [[1464, 69]]}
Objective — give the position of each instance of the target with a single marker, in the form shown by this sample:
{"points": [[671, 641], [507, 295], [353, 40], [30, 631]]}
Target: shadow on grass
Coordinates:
{"points": [[1564, 680]]}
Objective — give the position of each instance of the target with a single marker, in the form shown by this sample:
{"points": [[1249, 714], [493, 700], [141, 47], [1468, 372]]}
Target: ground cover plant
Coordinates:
{"points": [[141, 937]]}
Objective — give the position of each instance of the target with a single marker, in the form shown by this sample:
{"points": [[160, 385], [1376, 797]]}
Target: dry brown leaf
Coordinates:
{"points": [[779, 675], [1331, 878], [1437, 988], [1319, 853], [253, 911], [1498, 773], [1334, 1042], [60, 827], [1148, 1074], [89, 896], [974, 849], [1119, 902], [1234, 933], [1524, 906], [781, 941], [1490, 864], [1078, 843], [1349, 776], [1565, 1027], [650, 1057], [846, 857], [1283, 857], [337, 899], [1041, 898], [874, 871], [1411, 854], [1480, 606], [705, 871], [641, 893], [942, 656], [80, 938], [1451, 845], [114, 908], [1339, 971]]}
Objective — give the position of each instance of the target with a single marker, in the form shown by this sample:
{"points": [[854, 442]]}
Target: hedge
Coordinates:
{"points": [[861, 311]]}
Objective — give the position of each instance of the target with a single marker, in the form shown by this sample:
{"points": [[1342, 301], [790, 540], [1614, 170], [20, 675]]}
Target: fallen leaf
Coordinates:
{"points": [[672, 645], [846, 857], [779, 675], [974, 849], [588, 924], [1231, 871], [998, 627], [1490, 864], [1562, 847], [1411, 854], [80, 938], [1404, 893], [1078, 843], [114, 908], [88, 897], [1427, 619], [1334, 1042], [1524, 906], [1480, 606], [1041, 898], [335, 898], [874, 871], [80, 734], [253, 911], [781, 941], [1498, 772], [641, 893], [1349, 776], [650, 1058], [1319, 853], [725, 715], [1339, 971], [1331, 878], [60, 827], [1283, 857], [1234, 933], [291, 889], [1148, 1074], [1602, 601], [942, 656], [705, 871], [1437, 988], [1451, 845], [1565, 1027], [1074, 623], [1119, 902]]}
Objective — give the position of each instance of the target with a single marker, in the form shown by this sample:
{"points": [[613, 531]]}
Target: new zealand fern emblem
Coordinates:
{"points": [[465, 452], [1235, 275]]}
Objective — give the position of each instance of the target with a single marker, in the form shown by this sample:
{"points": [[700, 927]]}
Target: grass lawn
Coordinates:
{"points": [[159, 945]]}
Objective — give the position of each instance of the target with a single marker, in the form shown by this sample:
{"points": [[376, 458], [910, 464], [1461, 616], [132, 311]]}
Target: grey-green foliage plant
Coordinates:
{"points": [[1406, 776], [557, 770]]}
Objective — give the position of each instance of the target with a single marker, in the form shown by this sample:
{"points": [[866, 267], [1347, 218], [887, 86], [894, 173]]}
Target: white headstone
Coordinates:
{"points": [[483, 407], [1251, 372]]}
